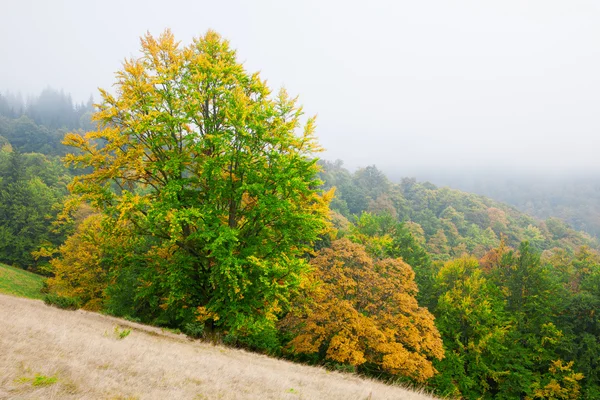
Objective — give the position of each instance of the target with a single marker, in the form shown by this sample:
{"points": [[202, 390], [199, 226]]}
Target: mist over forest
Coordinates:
{"points": [[571, 194]]}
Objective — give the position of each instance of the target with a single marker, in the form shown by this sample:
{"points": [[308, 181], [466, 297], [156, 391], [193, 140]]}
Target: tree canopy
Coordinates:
{"points": [[363, 311], [194, 154]]}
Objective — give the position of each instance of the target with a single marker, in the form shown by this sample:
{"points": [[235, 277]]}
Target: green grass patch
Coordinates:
{"points": [[41, 380], [118, 333], [38, 380], [18, 282], [121, 333]]}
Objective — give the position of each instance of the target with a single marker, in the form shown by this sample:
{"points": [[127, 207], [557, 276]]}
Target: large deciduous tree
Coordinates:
{"points": [[196, 155], [363, 312]]}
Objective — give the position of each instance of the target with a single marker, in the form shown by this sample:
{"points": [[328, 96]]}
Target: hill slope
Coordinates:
{"points": [[447, 221], [78, 354], [572, 198], [19, 282]]}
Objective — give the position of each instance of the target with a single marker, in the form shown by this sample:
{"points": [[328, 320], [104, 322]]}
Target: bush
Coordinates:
{"points": [[265, 341], [66, 303], [194, 329]]}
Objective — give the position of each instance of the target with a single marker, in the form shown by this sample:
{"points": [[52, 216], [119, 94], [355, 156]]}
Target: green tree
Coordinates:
{"points": [[26, 211], [384, 237], [581, 320], [471, 319], [534, 298], [372, 181], [198, 156]]}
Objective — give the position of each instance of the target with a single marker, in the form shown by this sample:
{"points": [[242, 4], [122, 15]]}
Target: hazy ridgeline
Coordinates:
{"points": [[571, 194], [51, 108]]}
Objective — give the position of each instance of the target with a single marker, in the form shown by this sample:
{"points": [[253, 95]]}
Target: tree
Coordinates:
{"points": [[384, 237], [78, 273], [4, 144], [438, 243], [196, 155], [26, 209], [581, 321], [534, 298], [531, 293], [470, 317], [372, 181], [363, 312]]}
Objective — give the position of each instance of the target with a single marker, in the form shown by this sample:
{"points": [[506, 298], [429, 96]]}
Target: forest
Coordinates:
{"points": [[193, 198], [569, 195]]}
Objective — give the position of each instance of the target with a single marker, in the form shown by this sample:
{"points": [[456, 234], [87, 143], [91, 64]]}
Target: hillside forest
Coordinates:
{"points": [[192, 197], [571, 196]]}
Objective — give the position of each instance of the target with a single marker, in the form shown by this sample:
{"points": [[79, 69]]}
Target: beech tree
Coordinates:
{"points": [[363, 312], [195, 154]]}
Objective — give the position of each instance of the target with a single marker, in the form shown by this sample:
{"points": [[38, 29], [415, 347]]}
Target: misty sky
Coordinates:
{"points": [[401, 84]]}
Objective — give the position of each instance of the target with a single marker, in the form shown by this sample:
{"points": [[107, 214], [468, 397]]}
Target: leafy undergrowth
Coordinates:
{"points": [[18, 282]]}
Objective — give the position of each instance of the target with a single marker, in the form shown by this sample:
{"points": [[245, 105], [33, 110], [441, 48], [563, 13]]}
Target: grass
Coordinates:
{"points": [[121, 334], [49, 353], [38, 380], [18, 282]]}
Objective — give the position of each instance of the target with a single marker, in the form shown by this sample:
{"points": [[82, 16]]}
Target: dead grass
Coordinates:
{"points": [[76, 354]]}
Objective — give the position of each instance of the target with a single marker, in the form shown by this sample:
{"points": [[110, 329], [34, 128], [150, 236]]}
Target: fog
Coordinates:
{"points": [[444, 86]]}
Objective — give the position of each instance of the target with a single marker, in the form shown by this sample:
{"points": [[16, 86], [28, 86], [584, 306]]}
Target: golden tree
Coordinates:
{"points": [[364, 312], [78, 271]]}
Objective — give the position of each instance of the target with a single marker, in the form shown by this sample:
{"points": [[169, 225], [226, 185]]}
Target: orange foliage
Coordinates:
{"points": [[364, 311], [491, 259]]}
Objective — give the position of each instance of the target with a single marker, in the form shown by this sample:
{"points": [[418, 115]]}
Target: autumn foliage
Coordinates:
{"points": [[364, 312], [78, 271]]}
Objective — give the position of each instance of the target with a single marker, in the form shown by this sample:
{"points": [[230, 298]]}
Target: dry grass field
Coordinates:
{"points": [[47, 353]]}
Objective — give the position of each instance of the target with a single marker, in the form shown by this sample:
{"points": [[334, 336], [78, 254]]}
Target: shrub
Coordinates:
{"points": [[66, 303], [194, 329]]}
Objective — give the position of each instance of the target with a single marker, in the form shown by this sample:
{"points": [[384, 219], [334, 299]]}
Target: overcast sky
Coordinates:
{"points": [[401, 84]]}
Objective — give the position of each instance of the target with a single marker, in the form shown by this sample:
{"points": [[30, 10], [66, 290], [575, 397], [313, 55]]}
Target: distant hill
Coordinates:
{"points": [[572, 195], [448, 222]]}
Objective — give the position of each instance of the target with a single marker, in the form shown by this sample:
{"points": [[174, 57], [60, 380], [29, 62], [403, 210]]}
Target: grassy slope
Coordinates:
{"points": [[19, 282], [56, 354]]}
